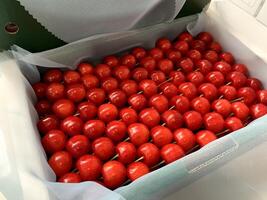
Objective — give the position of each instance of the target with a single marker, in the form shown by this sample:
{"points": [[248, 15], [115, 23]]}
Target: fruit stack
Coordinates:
{"points": [[117, 121]]}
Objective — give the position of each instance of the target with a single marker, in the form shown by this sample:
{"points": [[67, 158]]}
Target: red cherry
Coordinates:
{"points": [[78, 145], [96, 96], [63, 108], [233, 123], [139, 53], [216, 78], [185, 138], [158, 77], [247, 94], [111, 61], [254, 83], [53, 76], [85, 68], [55, 91], [228, 92], [196, 78], [213, 122], [116, 130], [114, 174], [149, 117], [262, 96], [173, 119], [47, 123], [222, 106], [70, 178], [222, 67], [185, 36], [107, 112], [89, 167], [204, 66], [87, 111], [215, 46], [90, 81], [258, 110], [240, 110], [54, 141], [39, 89], [156, 53], [208, 90], [182, 104], [72, 125], [194, 54], [227, 57], [204, 137], [43, 107], [193, 120], [128, 116], [181, 46], [198, 45], [201, 105], [211, 56], [205, 37], [94, 129], [75, 92], [71, 77], [159, 102], [121, 72], [165, 65], [169, 89], [137, 101], [237, 79], [186, 64], [103, 71], [241, 68], [148, 87], [128, 60], [148, 63], [177, 77], [118, 98], [136, 170], [126, 152], [139, 74], [138, 133], [103, 148], [188, 89], [164, 44], [171, 153], [60, 162], [173, 55], [130, 87], [150, 154]]}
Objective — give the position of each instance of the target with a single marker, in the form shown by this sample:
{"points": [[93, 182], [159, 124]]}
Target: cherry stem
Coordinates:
{"points": [[229, 83], [238, 99]]}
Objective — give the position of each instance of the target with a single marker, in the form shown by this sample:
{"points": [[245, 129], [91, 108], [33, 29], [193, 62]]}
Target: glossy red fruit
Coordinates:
{"points": [[182, 104], [208, 90], [52, 76], [126, 152], [136, 170], [114, 174], [109, 84], [94, 129], [159, 102], [240, 110], [128, 116], [96, 96], [194, 55], [139, 53], [193, 120], [173, 55], [116, 130], [85, 68], [103, 148], [188, 89], [128, 60], [161, 136], [87, 110], [55, 91], [216, 78], [121, 72], [71, 77], [173, 119], [70, 178], [139, 74], [254, 83], [262, 96], [111, 61], [60, 162], [39, 89], [205, 37], [247, 94], [129, 87], [156, 53], [227, 57], [198, 45], [75, 92], [148, 87], [196, 78], [222, 106], [222, 67], [181, 46], [185, 138], [169, 90], [72, 125], [204, 137], [63, 108], [149, 117], [138, 133], [118, 98], [103, 71], [237, 79], [78, 145], [158, 76], [89, 167], [54, 141], [150, 154], [186, 64], [241, 68], [137, 101], [204, 66], [228, 92], [201, 105], [214, 122], [47, 123], [171, 152], [211, 56], [148, 63], [185, 36], [177, 77], [233, 123], [164, 44], [43, 107], [90, 81], [107, 112], [258, 110], [215, 46], [165, 65]]}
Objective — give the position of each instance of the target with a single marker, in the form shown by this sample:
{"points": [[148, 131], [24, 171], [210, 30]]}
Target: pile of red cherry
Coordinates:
{"points": [[128, 115]]}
